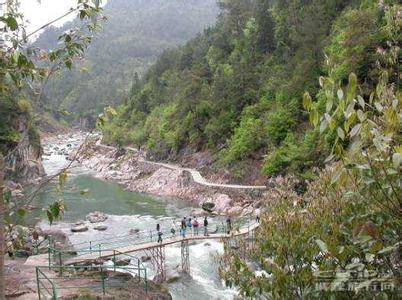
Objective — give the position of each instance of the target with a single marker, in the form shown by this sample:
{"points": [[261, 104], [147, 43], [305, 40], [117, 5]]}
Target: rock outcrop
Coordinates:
{"points": [[24, 162], [130, 168], [96, 217]]}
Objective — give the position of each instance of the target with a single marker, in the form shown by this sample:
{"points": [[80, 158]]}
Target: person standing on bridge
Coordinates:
{"points": [[195, 226], [205, 226], [160, 236], [173, 229], [228, 225], [183, 227], [189, 224], [159, 232]]}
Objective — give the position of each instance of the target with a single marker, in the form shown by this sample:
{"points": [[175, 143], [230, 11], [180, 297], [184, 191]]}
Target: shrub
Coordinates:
{"points": [[247, 138], [278, 125]]}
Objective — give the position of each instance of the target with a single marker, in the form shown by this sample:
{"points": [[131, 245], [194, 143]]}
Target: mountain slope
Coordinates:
{"points": [[136, 32], [236, 91]]}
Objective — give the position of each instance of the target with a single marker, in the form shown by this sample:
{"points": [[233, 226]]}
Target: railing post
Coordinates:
{"points": [[37, 281], [139, 270], [35, 248], [90, 247], [50, 240], [150, 232], [54, 296], [146, 281], [48, 251], [60, 264], [103, 282], [114, 260]]}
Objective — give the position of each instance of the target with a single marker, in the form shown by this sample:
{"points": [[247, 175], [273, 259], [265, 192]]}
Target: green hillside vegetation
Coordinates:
{"points": [[133, 36], [236, 90], [341, 239]]}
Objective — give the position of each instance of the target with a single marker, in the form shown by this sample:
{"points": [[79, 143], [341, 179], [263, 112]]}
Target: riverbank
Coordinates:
{"points": [[130, 168], [21, 283]]}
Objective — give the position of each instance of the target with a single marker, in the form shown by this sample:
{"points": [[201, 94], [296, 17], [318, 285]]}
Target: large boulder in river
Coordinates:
{"points": [[57, 235], [222, 202], [79, 228], [100, 228], [96, 217]]}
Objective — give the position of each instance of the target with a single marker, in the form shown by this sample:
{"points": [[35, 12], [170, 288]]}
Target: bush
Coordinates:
{"points": [[24, 106], [278, 125], [280, 159], [247, 138]]}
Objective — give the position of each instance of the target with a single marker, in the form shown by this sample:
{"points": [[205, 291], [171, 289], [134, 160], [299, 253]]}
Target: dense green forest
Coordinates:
{"points": [[135, 33], [236, 90]]}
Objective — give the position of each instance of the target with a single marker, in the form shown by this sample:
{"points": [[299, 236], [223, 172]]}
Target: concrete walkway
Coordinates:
{"points": [[197, 177]]}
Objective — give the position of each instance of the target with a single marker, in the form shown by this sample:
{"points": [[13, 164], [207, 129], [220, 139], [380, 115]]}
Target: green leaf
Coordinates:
{"points": [[67, 38], [354, 266], [361, 101], [62, 178], [329, 105], [21, 212], [100, 121], [397, 159], [378, 106], [55, 209], [68, 63], [314, 117], [341, 133], [340, 94], [7, 196], [323, 126], [352, 86], [84, 192], [12, 23], [360, 115], [355, 130], [387, 250], [323, 246], [49, 216], [307, 102], [370, 257]]}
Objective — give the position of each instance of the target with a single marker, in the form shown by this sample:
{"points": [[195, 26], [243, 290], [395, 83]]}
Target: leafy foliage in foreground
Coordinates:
{"points": [[236, 90], [21, 76], [346, 229]]}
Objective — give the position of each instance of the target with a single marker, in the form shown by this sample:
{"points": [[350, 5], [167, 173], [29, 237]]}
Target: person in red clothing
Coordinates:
{"points": [[195, 226]]}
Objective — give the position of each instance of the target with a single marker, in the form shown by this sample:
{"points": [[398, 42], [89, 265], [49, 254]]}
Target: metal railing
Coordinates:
{"points": [[143, 237], [48, 285], [58, 256]]}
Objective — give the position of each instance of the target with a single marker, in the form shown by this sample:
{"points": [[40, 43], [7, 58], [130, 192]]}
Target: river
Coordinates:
{"points": [[128, 210]]}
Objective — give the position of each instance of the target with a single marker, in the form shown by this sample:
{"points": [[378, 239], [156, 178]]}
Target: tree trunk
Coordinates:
{"points": [[2, 237]]}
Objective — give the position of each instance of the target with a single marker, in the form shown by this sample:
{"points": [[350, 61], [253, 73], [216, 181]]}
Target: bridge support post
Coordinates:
{"points": [[185, 257], [157, 255]]}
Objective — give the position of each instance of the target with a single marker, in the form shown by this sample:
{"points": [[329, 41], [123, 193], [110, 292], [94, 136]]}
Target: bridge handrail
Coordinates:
{"points": [[40, 284], [140, 237], [55, 287]]}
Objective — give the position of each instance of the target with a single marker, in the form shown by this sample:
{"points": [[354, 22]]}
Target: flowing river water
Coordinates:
{"points": [[128, 210]]}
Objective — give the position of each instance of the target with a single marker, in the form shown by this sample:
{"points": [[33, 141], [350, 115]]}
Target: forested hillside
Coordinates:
{"points": [[236, 90], [136, 32]]}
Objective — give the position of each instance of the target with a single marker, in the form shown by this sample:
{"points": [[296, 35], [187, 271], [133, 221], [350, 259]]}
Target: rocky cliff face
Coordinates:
{"points": [[24, 162]]}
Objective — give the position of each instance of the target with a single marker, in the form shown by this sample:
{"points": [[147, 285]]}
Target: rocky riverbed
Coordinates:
{"points": [[106, 210], [130, 168]]}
